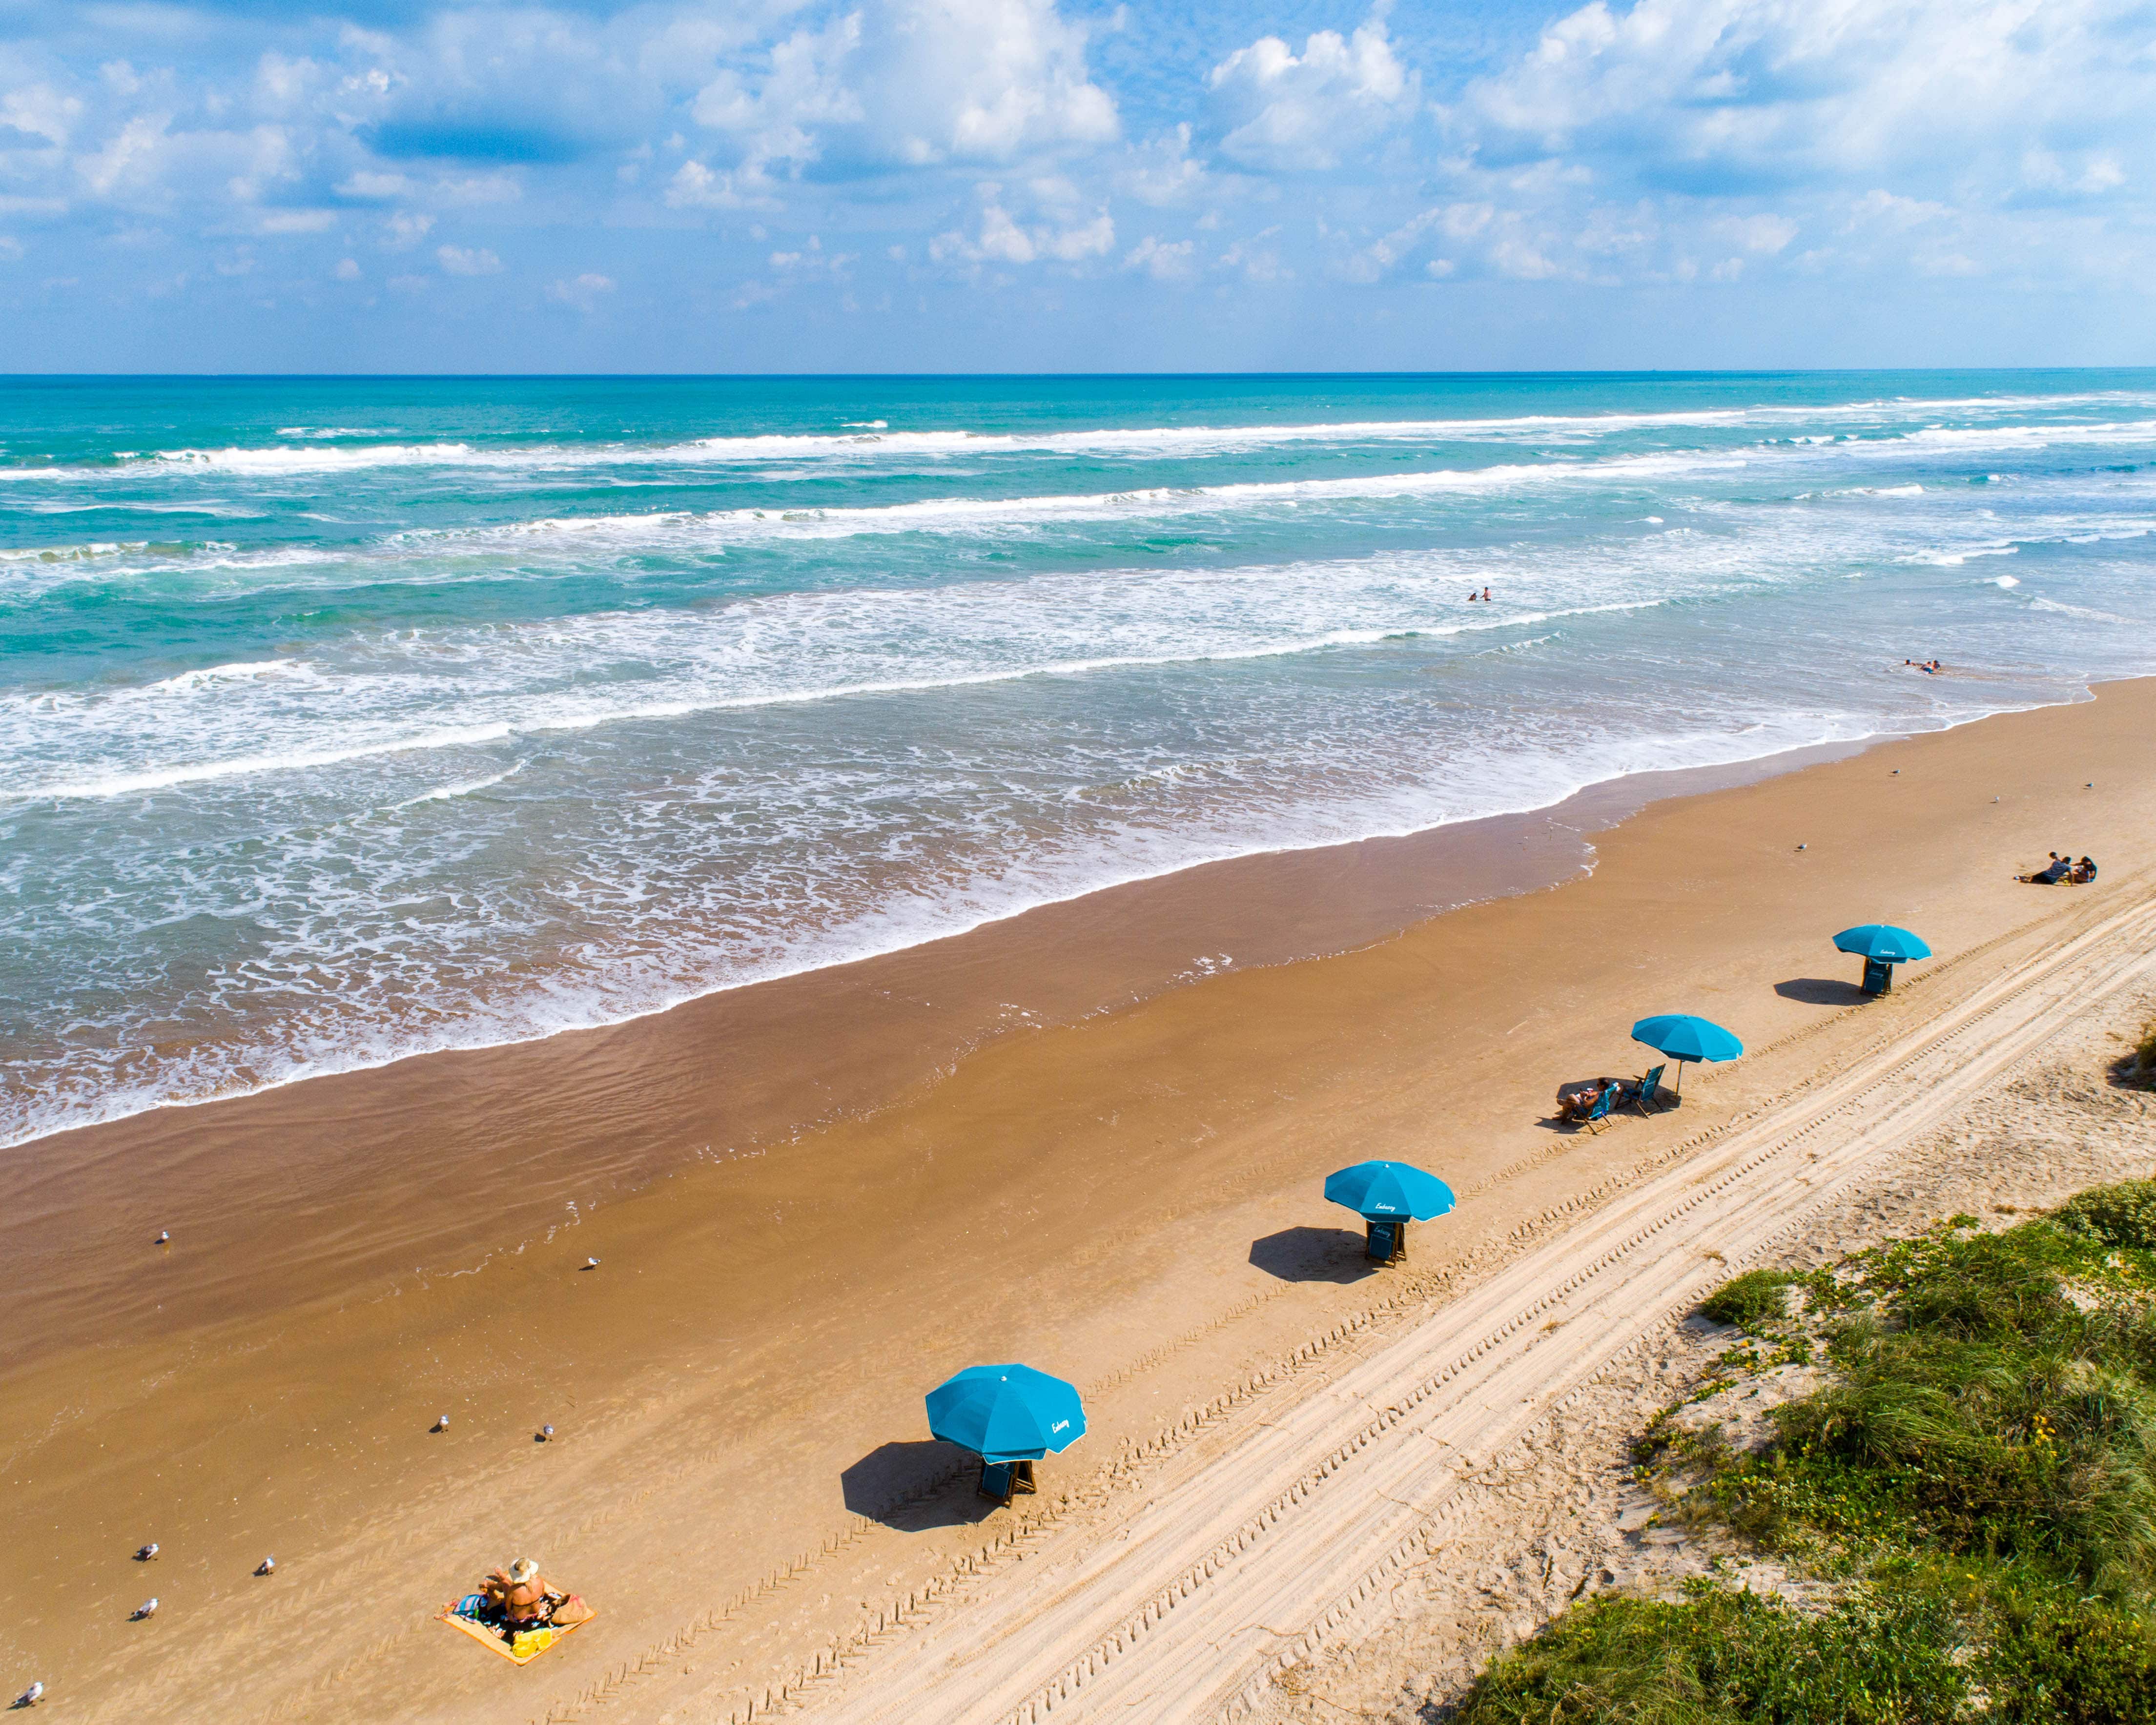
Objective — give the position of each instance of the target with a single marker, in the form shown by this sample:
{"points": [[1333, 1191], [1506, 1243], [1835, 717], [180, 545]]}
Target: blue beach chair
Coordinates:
{"points": [[1595, 1117], [1647, 1093]]}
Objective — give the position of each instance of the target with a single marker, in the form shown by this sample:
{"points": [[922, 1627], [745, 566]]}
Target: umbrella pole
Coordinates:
{"points": [[1679, 1083]]}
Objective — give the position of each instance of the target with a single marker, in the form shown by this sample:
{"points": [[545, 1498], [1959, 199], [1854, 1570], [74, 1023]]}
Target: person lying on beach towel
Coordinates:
{"points": [[517, 1613]]}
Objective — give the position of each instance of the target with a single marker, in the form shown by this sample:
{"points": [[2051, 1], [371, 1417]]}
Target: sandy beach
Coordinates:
{"points": [[1056, 1140]]}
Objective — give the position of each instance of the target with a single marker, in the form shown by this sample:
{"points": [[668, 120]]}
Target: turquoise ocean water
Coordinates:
{"points": [[341, 718]]}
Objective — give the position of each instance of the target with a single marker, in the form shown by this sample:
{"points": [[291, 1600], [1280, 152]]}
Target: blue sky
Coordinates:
{"points": [[932, 185]]}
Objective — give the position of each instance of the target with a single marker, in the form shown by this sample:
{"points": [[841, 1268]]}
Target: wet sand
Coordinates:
{"points": [[1124, 1196]]}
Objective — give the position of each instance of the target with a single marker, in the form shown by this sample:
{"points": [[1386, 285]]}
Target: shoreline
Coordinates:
{"points": [[1600, 802], [834, 1044], [1129, 1199]]}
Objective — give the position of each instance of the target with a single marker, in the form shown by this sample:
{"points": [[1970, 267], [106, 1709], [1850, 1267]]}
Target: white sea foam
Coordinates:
{"points": [[210, 675], [759, 764], [874, 440]]}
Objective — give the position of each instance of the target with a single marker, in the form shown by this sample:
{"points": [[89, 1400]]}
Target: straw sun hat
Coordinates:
{"points": [[523, 1570]]}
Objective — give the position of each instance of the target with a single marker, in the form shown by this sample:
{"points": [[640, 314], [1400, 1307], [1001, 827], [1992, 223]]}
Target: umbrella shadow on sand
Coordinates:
{"points": [[915, 1487], [1334, 1255], [1821, 991]]}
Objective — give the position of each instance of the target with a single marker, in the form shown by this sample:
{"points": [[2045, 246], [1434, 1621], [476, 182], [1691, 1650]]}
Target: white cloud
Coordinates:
{"points": [[1163, 261], [369, 184], [294, 221], [11, 249], [1728, 95], [407, 228], [916, 84], [1162, 171], [1761, 235], [696, 187], [347, 269], [1283, 112], [499, 187], [584, 292], [41, 111], [1064, 234], [457, 260]]}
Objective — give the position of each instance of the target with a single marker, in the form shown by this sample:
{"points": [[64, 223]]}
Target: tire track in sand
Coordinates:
{"points": [[1246, 1559]]}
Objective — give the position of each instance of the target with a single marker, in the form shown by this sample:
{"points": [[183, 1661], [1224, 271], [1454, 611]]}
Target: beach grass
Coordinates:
{"points": [[2144, 1053], [1965, 1504]]}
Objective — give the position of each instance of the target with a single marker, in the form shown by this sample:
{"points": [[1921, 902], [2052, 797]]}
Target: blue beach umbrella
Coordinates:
{"points": [[1882, 947], [1883, 942], [1684, 1038], [1379, 1190], [1007, 1413]]}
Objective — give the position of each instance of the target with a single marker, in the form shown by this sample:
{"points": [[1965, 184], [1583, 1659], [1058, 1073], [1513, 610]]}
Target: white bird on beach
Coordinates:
{"points": [[442, 1424], [267, 1566], [148, 1607], [591, 1263], [164, 1238], [31, 1697], [147, 1553], [545, 1433]]}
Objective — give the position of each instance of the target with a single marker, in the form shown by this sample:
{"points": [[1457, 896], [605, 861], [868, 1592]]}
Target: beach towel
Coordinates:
{"points": [[520, 1648]]}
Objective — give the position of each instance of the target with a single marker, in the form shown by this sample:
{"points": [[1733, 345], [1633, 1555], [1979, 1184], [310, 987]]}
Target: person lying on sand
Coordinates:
{"points": [[2057, 869], [518, 1598], [2082, 872]]}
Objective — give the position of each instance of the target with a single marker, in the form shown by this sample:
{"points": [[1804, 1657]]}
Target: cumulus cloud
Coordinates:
{"points": [[1061, 232], [474, 260], [581, 292], [1171, 261], [914, 84], [1281, 111], [1750, 96]]}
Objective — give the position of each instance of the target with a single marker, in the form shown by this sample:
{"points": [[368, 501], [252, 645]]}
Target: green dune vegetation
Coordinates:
{"points": [[1957, 1522]]}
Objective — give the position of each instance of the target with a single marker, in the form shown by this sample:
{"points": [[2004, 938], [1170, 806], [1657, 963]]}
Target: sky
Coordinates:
{"points": [[1075, 185]]}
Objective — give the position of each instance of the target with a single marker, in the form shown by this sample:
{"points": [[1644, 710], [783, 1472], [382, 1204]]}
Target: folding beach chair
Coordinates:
{"points": [[1593, 1118], [1645, 1094], [1002, 1481]]}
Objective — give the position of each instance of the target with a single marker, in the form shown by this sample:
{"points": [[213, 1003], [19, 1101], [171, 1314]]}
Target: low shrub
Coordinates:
{"points": [[2122, 1215], [1979, 1470], [1751, 1300], [1727, 1657]]}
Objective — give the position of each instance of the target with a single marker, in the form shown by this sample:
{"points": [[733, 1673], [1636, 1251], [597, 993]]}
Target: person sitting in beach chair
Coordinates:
{"points": [[518, 1598], [1589, 1106], [2053, 872]]}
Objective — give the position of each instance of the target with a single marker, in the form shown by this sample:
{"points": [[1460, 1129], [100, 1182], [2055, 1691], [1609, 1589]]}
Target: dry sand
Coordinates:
{"points": [[741, 1482]]}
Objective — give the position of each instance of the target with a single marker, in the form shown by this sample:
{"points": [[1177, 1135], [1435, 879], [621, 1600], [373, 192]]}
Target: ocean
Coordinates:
{"points": [[345, 719]]}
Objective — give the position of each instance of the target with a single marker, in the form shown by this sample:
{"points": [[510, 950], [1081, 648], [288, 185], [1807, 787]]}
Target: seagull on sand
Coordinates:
{"points": [[148, 1607], [31, 1697], [147, 1553], [267, 1566], [442, 1424], [545, 1433], [164, 1237]]}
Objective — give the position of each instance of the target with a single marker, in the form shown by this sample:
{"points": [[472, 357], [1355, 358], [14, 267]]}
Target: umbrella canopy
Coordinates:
{"points": [[1884, 942], [1380, 1189], [1682, 1037], [1006, 1412]]}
